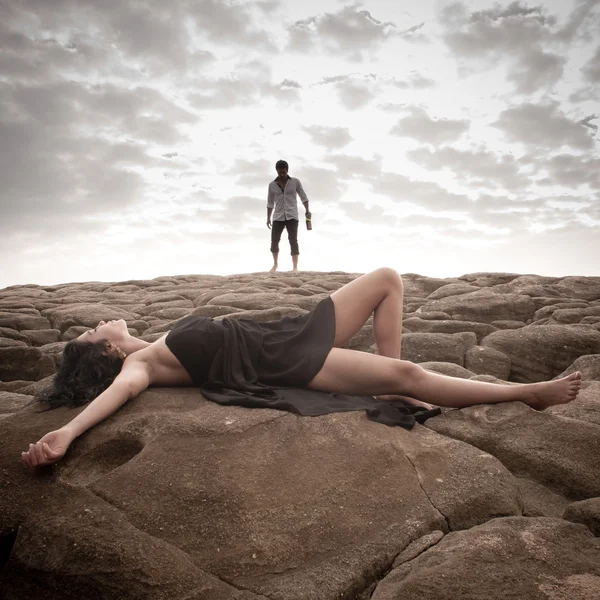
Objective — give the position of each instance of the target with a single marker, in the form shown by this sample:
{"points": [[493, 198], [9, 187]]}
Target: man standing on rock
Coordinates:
{"points": [[283, 203]]}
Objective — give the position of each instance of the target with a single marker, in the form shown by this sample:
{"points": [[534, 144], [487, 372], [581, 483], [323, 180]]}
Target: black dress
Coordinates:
{"points": [[268, 365]]}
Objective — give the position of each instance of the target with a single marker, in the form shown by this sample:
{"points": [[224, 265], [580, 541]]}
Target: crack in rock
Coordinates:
{"points": [[426, 494]]}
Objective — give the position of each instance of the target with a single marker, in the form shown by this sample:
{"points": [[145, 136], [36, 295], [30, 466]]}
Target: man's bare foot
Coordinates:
{"points": [[295, 270], [407, 399], [549, 393], [273, 269]]}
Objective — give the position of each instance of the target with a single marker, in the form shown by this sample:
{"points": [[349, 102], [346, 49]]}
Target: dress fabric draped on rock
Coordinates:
{"points": [[267, 365]]}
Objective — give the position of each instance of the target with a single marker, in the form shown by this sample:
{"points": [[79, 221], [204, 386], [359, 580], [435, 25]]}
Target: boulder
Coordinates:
{"points": [[540, 353], [575, 315], [84, 315], [432, 316], [12, 334], [418, 324], [11, 402], [589, 365], [19, 362], [438, 347], [214, 310], [41, 337], [8, 342], [546, 448], [20, 321], [514, 557], [584, 288], [266, 300], [508, 324], [452, 289], [586, 512], [484, 306], [156, 308], [484, 360]]}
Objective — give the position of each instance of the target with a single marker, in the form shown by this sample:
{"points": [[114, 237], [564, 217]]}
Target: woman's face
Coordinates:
{"points": [[105, 330]]}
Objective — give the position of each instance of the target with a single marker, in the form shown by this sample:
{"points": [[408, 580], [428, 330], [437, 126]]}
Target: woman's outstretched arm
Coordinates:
{"points": [[133, 380]]}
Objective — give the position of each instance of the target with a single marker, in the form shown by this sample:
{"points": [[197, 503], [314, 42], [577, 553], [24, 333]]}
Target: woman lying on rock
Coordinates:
{"points": [[296, 364]]}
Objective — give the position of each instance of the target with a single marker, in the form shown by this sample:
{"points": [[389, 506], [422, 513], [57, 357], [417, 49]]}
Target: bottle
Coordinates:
{"points": [[308, 221]]}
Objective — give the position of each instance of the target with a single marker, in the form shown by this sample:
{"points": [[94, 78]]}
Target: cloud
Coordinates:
{"points": [[50, 185], [356, 90], [591, 69], [538, 70], [420, 126], [349, 31], [329, 137], [571, 170], [320, 185], [368, 215], [577, 21], [413, 34], [482, 168], [526, 36], [250, 83], [420, 82], [253, 173], [147, 35], [228, 23], [239, 211], [356, 167], [353, 91], [543, 126], [73, 150], [587, 122], [426, 194]]}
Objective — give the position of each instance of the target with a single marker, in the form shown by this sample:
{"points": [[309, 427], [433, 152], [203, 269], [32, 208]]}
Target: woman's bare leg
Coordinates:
{"points": [[379, 292], [361, 373]]}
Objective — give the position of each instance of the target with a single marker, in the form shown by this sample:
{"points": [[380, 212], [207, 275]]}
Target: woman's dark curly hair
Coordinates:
{"points": [[86, 371]]}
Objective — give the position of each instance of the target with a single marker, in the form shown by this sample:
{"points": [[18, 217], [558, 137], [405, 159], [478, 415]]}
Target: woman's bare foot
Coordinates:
{"points": [[549, 393], [273, 269], [407, 399]]}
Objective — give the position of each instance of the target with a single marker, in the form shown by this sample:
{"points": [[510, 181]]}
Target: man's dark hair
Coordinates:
{"points": [[281, 164]]}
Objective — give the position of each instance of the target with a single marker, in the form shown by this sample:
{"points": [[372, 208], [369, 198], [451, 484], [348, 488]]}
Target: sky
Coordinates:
{"points": [[138, 138]]}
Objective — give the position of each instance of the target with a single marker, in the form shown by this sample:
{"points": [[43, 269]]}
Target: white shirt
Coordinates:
{"points": [[285, 201]]}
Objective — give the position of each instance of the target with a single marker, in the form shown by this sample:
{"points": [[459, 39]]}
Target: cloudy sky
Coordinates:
{"points": [[440, 138]]}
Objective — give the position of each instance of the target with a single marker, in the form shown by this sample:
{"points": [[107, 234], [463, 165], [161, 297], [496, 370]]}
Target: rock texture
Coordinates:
{"points": [[177, 497]]}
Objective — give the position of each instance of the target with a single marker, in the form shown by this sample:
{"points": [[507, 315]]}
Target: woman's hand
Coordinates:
{"points": [[50, 449]]}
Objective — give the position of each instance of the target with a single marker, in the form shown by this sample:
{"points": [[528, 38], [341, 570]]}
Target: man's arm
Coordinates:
{"points": [[270, 205], [270, 198], [302, 195]]}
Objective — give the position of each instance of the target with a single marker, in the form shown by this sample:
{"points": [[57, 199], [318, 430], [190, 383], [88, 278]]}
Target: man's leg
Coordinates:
{"points": [[292, 229], [276, 229]]}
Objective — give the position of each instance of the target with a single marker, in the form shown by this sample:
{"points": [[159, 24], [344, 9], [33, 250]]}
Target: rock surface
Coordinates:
{"points": [[176, 497]]}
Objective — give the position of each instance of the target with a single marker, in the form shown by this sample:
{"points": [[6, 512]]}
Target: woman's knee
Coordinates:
{"points": [[409, 374], [391, 277]]}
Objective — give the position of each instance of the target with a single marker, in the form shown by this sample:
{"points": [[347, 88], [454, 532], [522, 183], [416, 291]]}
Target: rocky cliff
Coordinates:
{"points": [[177, 497]]}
